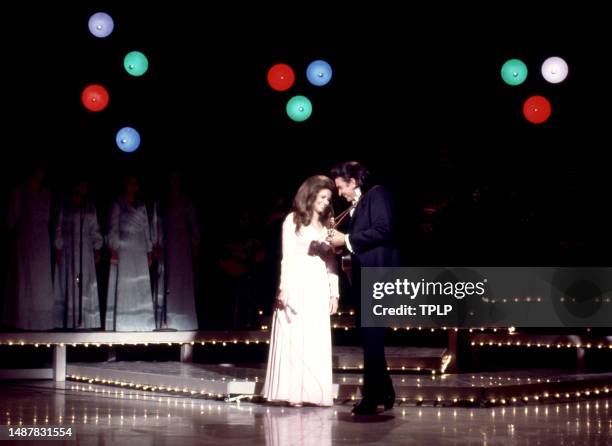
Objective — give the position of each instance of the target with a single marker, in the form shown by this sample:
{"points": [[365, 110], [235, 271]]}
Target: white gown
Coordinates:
{"points": [[68, 238], [29, 304], [129, 305], [300, 358]]}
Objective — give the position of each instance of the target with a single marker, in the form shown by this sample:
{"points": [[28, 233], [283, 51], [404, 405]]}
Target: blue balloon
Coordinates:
{"points": [[101, 24], [319, 73], [128, 139]]}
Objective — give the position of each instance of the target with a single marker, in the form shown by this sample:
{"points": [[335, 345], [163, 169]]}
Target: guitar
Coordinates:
{"points": [[345, 262], [347, 266]]}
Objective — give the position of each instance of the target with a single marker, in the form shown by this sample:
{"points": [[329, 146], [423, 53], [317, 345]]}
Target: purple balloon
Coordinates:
{"points": [[101, 24]]}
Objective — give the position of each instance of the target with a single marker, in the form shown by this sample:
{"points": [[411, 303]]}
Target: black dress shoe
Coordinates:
{"points": [[365, 407], [388, 401]]}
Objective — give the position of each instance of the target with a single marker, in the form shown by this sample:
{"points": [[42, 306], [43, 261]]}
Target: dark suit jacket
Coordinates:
{"points": [[372, 232]]}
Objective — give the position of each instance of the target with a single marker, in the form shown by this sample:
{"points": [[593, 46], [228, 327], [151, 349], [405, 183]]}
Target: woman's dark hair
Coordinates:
{"points": [[305, 198], [352, 169]]}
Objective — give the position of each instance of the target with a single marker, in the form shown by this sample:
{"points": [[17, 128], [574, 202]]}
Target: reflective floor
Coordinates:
{"points": [[104, 415]]}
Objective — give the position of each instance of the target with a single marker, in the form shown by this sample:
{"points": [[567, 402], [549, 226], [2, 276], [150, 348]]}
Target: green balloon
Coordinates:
{"points": [[299, 108], [514, 72], [136, 63]]}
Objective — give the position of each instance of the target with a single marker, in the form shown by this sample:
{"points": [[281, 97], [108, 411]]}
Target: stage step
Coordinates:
{"points": [[399, 359]]}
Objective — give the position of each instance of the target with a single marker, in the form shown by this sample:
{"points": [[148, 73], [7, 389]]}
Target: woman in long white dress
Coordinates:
{"points": [[129, 305], [77, 250], [299, 367], [29, 303], [176, 239]]}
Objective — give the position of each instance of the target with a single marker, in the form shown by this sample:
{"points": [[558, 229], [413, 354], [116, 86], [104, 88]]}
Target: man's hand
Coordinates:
{"points": [[336, 239]]}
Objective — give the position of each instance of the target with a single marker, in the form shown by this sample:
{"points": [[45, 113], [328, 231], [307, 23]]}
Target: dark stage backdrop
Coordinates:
{"points": [[416, 95]]}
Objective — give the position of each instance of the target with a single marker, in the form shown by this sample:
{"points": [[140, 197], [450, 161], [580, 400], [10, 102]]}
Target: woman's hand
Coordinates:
{"points": [[281, 299]]}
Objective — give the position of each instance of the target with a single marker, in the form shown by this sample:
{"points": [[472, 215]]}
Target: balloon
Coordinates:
{"points": [[281, 77], [128, 139], [537, 109], [95, 98], [319, 73], [136, 63], [514, 72], [554, 70], [299, 108], [101, 24]]}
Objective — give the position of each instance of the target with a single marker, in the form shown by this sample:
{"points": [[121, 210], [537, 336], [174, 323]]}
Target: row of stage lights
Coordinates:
{"points": [[145, 344], [224, 343], [257, 342], [599, 346], [445, 360], [544, 397], [97, 418], [202, 393], [228, 342]]}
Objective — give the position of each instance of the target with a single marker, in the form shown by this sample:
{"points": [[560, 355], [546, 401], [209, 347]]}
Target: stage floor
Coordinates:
{"points": [[128, 416]]}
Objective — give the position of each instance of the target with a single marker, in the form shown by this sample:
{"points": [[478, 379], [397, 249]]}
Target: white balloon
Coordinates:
{"points": [[554, 70]]}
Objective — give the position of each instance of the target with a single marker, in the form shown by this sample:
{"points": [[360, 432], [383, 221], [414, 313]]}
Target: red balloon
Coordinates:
{"points": [[537, 109], [94, 98], [281, 77]]}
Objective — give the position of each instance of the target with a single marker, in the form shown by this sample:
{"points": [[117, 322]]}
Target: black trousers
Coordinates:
{"points": [[376, 380], [377, 383]]}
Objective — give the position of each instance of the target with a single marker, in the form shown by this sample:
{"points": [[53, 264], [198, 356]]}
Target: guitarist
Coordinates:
{"points": [[371, 242]]}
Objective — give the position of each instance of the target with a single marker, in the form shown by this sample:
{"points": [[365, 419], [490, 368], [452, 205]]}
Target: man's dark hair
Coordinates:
{"points": [[352, 169]]}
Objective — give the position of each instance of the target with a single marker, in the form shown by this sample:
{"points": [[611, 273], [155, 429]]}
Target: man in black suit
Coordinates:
{"points": [[370, 239]]}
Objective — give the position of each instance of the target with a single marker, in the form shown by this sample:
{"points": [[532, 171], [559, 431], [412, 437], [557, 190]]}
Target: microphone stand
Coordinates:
{"points": [[64, 260], [116, 295], [155, 266], [80, 276]]}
